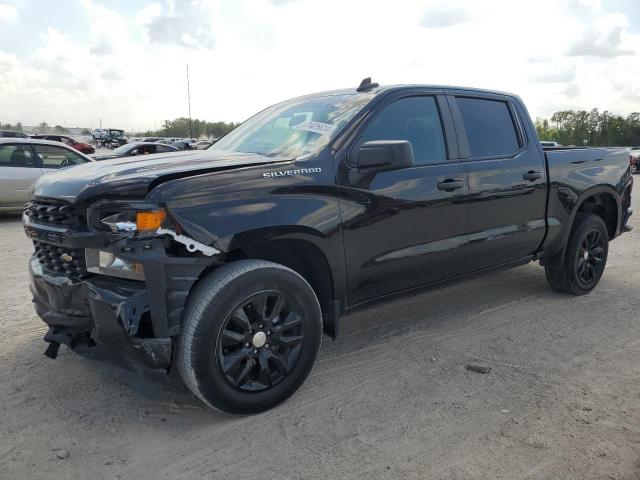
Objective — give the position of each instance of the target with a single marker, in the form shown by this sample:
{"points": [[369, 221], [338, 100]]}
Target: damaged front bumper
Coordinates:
{"points": [[126, 325]]}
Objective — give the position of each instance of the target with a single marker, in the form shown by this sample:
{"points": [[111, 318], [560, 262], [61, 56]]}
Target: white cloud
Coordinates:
{"points": [[246, 54], [560, 74], [278, 3], [103, 47], [186, 23], [7, 11], [604, 38], [572, 90], [111, 74], [442, 16]]}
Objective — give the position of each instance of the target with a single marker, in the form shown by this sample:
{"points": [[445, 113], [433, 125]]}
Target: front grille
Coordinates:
{"points": [[53, 213], [60, 259]]}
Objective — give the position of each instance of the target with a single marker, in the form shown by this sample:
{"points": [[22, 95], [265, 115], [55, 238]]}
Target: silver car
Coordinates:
{"points": [[23, 161]]}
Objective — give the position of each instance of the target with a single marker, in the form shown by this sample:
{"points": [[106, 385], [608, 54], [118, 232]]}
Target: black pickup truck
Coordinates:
{"points": [[229, 263]]}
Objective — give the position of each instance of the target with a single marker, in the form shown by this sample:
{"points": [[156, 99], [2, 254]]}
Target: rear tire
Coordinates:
{"points": [[251, 334], [585, 257]]}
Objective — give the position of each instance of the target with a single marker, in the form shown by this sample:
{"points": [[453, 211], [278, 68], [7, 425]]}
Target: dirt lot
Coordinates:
{"points": [[390, 399]]}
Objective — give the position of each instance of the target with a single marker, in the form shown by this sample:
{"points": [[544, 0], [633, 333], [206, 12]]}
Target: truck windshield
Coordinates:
{"points": [[294, 128]]}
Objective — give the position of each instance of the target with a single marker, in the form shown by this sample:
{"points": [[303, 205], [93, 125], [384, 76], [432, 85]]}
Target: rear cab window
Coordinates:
{"points": [[490, 127]]}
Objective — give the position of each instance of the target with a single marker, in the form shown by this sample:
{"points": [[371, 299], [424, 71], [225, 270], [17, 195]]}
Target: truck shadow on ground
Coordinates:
{"points": [[75, 384]]}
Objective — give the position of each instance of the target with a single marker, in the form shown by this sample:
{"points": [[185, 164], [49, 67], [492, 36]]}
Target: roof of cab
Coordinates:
{"points": [[392, 88]]}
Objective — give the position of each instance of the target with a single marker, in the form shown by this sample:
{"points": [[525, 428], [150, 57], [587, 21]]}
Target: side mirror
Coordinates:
{"points": [[382, 155]]}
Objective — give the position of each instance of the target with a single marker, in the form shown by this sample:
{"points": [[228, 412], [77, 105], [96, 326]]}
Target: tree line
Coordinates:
{"points": [[43, 128], [179, 127], [568, 127], [594, 128]]}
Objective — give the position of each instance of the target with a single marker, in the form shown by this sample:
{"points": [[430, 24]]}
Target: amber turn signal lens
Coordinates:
{"points": [[150, 220]]}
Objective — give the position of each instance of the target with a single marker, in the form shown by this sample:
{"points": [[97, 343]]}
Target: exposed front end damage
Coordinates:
{"points": [[125, 324]]}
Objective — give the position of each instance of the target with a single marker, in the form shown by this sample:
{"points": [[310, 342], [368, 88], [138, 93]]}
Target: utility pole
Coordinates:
{"points": [[189, 102]]}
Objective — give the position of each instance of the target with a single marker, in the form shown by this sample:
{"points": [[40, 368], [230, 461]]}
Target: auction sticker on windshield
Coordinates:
{"points": [[315, 127]]}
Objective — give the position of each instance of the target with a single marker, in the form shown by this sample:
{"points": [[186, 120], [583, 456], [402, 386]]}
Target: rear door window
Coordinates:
{"points": [[18, 155], [490, 129]]}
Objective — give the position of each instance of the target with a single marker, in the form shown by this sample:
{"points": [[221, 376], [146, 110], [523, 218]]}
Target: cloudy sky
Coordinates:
{"points": [[74, 62]]}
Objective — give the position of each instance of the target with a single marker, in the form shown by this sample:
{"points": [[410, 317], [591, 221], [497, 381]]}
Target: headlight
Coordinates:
{"points": [[106, 263], [132, 221]]}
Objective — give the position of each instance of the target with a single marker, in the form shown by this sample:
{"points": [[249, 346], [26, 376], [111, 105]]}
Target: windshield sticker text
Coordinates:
{"points": [[315, 127]]}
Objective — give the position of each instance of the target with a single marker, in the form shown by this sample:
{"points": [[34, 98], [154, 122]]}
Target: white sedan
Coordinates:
{"points": [[23, 161]]}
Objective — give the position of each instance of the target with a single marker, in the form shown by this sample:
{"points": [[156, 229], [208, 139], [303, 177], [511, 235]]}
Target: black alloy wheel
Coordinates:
{"points": [[590, 258], [260, 341], [250, 336], [586, 256]]}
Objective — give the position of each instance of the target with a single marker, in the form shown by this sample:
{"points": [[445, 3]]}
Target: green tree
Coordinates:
{"points": [[545, 130], [179, 127], [570, 127]]}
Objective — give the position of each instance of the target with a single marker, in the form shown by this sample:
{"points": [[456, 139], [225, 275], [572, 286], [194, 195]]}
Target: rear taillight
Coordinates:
{"points": [[632, 160]]}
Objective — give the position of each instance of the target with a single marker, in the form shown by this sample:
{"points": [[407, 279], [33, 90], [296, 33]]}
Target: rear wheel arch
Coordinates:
{"points": [[602, 201], [603, 204]]}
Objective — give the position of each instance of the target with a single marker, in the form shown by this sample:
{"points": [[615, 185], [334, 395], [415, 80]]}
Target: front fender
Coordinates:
{"points": [[231, 210]]}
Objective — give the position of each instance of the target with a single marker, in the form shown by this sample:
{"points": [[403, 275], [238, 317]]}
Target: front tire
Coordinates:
{"points": [[585, 257], [251, 335]]}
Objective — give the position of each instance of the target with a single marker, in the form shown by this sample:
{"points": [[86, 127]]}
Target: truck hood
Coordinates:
{"points": [[132, 177]]}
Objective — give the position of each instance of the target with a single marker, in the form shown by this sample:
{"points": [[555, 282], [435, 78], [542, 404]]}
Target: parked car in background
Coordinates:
{"points": [[72, 142], [203, 144], [98, 134], [185, 143], [23, 161], [634, 159], [12, 134], [109, 137], [137, 148], [548, 144]]}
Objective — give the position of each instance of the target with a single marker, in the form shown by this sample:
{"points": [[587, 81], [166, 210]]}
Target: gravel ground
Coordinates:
{"points": [[391, 399]]}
